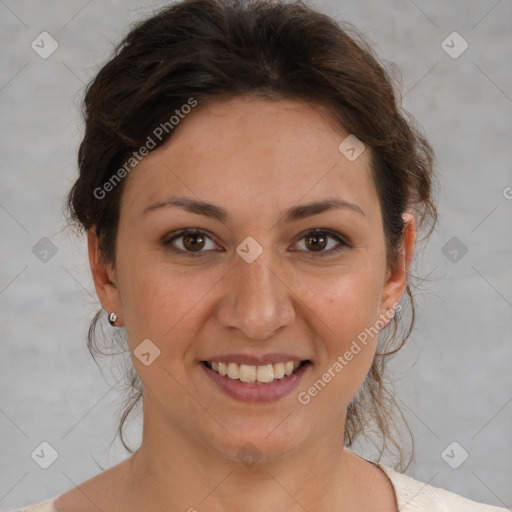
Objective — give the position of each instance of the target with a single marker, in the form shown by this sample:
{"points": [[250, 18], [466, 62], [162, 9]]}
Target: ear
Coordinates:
{"points": [[104, 278], [397, 278]]}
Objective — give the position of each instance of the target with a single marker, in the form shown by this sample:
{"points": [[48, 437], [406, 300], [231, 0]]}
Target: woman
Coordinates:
{"points": [[252, 195]]}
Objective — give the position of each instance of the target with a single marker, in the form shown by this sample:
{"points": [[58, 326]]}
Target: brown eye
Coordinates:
{"points": [[321, 242], [316, 242], [190, 243], [193, 241]]}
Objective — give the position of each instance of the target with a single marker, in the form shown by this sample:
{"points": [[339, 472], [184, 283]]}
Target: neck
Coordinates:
{"points": [[172, 471]]}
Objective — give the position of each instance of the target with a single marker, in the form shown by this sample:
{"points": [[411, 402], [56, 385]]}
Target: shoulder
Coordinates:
{"points": [[43, 506], [415, 496]]}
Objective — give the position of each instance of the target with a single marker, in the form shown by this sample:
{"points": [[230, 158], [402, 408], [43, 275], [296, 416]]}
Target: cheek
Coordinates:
{"points": [[347, 348], [348, 302], [350, 311], [162, 305], [162, 302]]}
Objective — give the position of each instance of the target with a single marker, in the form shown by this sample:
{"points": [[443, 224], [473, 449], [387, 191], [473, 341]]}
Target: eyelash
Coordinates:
{"points": [[342, 243]]}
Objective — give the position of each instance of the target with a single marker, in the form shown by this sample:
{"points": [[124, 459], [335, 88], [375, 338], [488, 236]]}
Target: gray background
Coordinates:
{"points": [[454, 377]]}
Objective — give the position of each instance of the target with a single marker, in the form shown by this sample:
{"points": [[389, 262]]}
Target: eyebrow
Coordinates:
{"points": [[292, 214]]}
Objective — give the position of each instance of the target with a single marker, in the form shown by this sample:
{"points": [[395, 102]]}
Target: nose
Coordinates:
{"points": [[257, 301]]}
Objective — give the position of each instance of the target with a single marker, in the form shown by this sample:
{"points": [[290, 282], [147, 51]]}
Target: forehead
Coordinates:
{"points": [[259, 151]]}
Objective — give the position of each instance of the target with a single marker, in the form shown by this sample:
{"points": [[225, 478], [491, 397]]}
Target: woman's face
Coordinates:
{"points": [[254, 286]]}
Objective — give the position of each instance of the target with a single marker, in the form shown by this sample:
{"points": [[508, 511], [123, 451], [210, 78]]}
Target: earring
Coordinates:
{"points": [[112, 319]]}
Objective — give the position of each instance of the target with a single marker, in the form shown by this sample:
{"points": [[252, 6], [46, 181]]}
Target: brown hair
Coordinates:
{"points": [[209, 49]]}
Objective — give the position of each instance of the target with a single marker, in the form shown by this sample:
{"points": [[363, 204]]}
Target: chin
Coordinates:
{"points": [[263, 442]]}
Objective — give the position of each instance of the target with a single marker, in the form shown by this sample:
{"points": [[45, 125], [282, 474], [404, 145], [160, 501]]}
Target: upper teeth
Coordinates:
{"points": [[248, 373]]}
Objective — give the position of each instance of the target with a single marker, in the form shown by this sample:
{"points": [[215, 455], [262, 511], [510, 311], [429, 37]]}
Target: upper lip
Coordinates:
{"points": [[255, 360]]}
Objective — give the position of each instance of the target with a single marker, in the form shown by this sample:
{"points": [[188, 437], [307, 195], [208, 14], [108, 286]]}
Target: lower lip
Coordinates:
{"points": [[256, 392]]}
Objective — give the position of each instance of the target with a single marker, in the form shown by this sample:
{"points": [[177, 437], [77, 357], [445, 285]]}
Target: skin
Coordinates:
{"points": [[255, 158]]}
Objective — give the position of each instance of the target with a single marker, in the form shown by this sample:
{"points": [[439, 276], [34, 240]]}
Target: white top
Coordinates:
{"points": [[412, 496]]}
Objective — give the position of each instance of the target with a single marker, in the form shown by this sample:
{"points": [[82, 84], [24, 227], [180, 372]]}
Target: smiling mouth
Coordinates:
{"points": [[264, 374]]}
